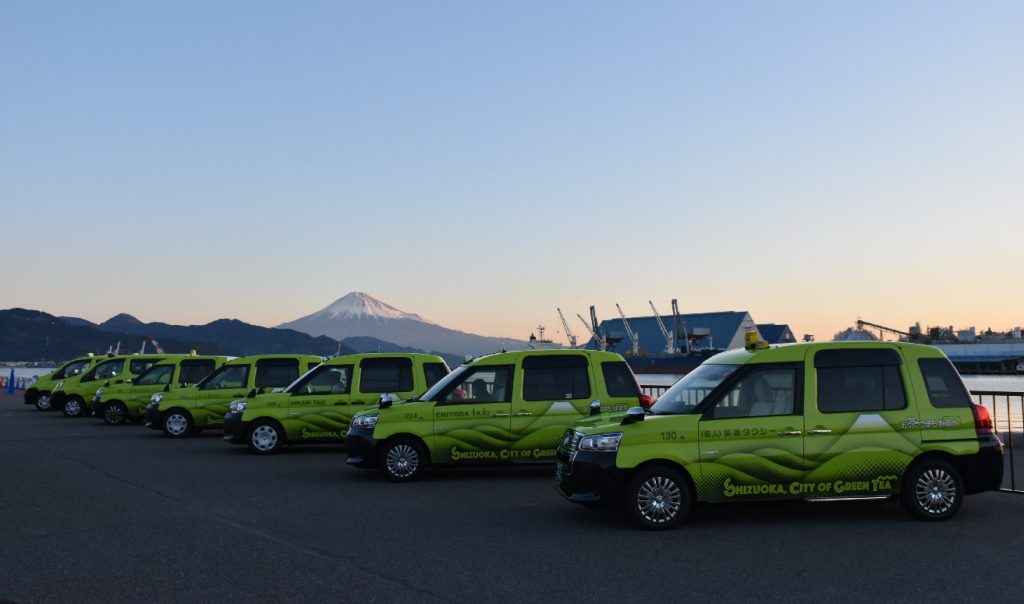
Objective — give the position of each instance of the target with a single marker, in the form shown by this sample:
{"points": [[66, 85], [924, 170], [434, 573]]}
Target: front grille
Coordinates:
{"points": [[570, 442]]}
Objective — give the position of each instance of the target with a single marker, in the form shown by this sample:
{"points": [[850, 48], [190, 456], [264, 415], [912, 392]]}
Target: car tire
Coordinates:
{"points": [[74, 406], [115, 413], [403, 460], [932, 490], [265, 437], [43, 401], [177, 423], [658, 497]]}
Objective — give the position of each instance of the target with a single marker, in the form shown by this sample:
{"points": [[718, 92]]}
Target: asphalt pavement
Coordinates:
{"points": [[96, 513]]}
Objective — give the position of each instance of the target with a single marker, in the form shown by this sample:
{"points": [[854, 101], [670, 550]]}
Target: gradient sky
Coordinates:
{"points": [[482, 163]]}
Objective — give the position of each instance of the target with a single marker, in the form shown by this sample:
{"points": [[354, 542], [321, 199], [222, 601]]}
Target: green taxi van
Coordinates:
{"points": [[818, 421], [125, 402], [38, 392], [75, 396], [318, 407], [187, 411], [504, 408]]}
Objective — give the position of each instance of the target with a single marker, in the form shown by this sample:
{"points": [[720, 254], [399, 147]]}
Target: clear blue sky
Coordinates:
{"points": [[481, 163]]}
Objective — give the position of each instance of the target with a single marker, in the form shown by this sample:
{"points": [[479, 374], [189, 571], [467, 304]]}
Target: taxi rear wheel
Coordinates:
{"points": [[178, 423], [403, 460], [74, 406], [265, 437], [659, 497], [114, 413], [932, 490], [43, 401]]}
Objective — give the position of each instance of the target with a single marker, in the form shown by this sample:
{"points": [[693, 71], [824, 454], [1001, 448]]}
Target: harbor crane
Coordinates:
{"points": [[680, 325], [635, 339], [568, 332], [881, 328], [670, 336], [595, 330]]}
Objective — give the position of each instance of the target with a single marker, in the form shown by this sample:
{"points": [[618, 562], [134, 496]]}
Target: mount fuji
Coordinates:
{"points": [[360, 314]]}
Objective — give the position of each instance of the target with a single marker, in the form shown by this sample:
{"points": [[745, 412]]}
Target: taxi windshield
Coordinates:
{"points": [[439, 386], [687, 393]]}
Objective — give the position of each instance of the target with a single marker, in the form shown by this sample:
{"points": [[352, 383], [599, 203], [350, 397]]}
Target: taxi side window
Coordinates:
{"points": [[433, 372], [943, 383], [481, 385], [276, 373], [385, 375], [329, 379], [555, 378], [619, 380], [194, 370], [138, 366], [858, 380], [108, 370], [229, 376], [760, 393]]}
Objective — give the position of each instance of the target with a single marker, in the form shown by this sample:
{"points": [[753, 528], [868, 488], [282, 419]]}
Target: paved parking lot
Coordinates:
{"points": [[90, 512]]}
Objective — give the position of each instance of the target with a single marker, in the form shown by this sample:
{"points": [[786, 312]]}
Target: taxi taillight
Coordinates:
{"points": [[982, 419]]}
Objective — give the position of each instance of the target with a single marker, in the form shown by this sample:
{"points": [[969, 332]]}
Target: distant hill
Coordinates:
{"points": [[238, 337], [368, 344], [31, 335], [359, 314]]}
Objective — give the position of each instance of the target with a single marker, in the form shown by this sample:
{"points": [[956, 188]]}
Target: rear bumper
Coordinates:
{"points": [[983, 471]]}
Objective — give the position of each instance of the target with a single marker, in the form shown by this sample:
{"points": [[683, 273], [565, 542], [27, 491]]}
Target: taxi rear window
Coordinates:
{"points": [[943, 383]]}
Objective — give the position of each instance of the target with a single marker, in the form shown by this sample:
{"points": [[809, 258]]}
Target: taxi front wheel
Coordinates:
{"points": [[403, 460], [265, 437], [74, 406], [43, 401], [178, 423], [659, 497], [932, 490], [115, 413]]}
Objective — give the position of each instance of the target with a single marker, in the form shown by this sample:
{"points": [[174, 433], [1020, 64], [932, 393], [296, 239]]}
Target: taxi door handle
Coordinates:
{"points": [[790, 433], [336, 404], [499, 415], [356, 403], [820, 431], [523, 413]]}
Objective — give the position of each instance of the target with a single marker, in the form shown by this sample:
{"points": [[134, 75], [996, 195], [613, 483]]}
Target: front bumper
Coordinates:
{"points": [[235, 428], [57, 399], [31, 394], [589, 478], [153, 417], [361, 448]]}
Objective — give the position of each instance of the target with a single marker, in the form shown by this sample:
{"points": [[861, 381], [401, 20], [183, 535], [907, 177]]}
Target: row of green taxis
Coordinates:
{"points": [[819, 421]]}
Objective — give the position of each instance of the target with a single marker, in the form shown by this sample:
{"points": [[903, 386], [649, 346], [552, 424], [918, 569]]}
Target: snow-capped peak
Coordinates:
{"points": [[359, 304]]}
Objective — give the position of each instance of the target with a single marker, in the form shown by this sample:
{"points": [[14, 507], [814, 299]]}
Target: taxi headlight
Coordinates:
{"points": [[59, 385], [237, 406], [99, 393], [156, 398], [365, 421], [34, 380], [601, 442]]}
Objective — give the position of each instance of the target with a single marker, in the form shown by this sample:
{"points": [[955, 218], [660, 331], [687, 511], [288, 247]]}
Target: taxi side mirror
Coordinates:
{"points": [[633, 415], [387, 399], [595, 407], [167, 388], [251, 393]]}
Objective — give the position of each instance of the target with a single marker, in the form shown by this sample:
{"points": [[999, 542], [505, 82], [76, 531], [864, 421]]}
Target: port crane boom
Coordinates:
{"points": [[680, 325], [595, 331], [670, 337], [635, 339], [568, 332], [881, 328]]}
